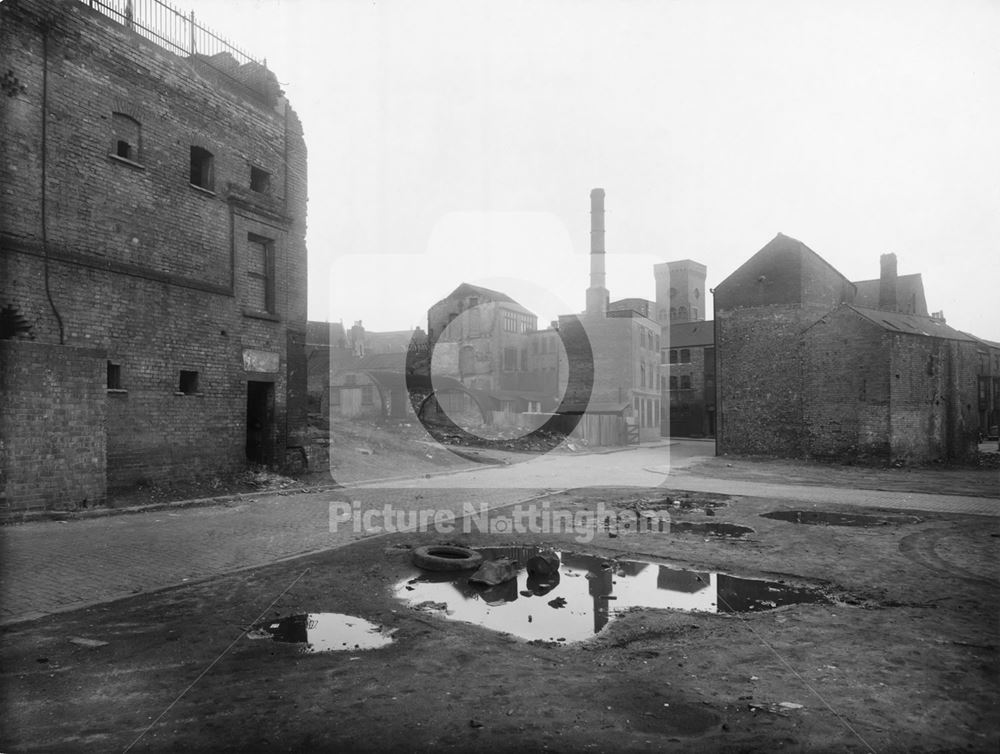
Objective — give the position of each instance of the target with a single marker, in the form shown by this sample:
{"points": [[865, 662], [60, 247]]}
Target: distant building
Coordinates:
{"points": [[152, 257], [804, 369], [624, 341], [491, 344], [688, 355]]}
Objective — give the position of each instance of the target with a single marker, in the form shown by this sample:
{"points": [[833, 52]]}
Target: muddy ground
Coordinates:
{"points": [[901, 657]]}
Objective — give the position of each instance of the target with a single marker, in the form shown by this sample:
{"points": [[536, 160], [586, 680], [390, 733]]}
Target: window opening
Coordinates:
{"points": [[188, 382], [201, 168], [114, 376], [125, 133], [260, 180], [260, 273]]}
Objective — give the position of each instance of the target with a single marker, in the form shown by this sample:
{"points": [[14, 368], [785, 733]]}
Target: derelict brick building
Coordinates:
{"points": [[152, 258], [811, 364]]}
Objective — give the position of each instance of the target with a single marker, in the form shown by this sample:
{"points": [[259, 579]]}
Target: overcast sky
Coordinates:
{"points": [[452, 140]]}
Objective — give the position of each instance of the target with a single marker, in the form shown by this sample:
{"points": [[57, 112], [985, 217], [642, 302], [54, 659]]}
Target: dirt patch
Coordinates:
{"points": [[911, 627]]}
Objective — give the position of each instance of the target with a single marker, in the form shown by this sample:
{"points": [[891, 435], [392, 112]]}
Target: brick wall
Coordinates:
{"points": [[52, 414], [846, 388], [162, 275]]}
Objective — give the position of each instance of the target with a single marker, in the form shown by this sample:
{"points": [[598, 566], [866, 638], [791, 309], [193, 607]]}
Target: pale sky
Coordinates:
{"points": [[454, 140]]}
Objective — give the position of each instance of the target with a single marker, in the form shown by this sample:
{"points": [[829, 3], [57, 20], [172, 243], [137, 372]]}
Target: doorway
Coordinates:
{"points": [[260, 420]]}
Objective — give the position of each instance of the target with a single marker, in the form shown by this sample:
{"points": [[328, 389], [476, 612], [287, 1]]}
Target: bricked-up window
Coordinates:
{"points": [[202, 168], [260, 180], [188, 382], [260, 273], [125, 137], [114, 376]]}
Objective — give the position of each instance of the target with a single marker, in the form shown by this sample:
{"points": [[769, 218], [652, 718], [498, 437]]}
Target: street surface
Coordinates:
{"points": [[53, 566]]}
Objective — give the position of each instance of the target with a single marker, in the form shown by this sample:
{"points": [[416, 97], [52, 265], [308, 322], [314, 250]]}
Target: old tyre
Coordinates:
{"points": [[446, 558]]}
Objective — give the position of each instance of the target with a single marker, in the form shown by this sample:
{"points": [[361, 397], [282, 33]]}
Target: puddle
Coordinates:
{"points": [[822, 518], [712, 529], [324, 632], [587, 593]]}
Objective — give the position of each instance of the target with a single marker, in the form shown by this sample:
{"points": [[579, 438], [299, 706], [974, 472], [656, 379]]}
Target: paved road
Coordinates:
{"points": [[50, 566]]}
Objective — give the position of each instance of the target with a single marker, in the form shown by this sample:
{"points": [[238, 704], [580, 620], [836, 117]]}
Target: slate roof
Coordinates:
{"points": [[910, 324]]}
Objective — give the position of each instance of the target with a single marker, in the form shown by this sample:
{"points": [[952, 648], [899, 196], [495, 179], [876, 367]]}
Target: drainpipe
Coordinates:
{"points": [[44, 26]]}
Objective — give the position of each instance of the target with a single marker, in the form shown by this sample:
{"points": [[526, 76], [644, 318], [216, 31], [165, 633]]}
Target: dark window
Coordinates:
{"points": [[673, 383], [201, 168], [642, 375], [260, 180], [685, 356], [260, 273], [524, 359], [114, 376], [685, 382], [125, 133], [188, 382], [682, 312], [673, 313], [509, 359], [673, 355]]}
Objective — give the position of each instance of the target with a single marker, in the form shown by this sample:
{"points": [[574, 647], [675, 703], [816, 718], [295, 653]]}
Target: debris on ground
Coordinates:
{"points": [[493, 572], [543, 565]]}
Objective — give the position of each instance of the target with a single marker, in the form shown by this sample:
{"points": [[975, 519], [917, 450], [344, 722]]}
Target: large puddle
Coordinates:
{"points": [[324, 632], [825, 518], [586, 594]]}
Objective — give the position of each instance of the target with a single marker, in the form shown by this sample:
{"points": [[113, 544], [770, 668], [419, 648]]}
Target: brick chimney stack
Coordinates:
{"points": [[887, 284], [597, 293]]}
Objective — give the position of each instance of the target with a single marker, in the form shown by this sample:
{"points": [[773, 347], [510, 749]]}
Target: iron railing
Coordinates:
{"points": [[161, 23]]}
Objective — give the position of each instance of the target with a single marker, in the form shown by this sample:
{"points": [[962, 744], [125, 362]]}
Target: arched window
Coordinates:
{"points": [[125, 133]]}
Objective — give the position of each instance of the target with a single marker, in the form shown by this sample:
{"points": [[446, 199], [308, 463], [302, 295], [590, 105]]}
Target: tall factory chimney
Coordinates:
{"points": [[887, 284], [597, 293]]}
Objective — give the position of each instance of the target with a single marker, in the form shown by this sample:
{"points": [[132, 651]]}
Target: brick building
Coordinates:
{"points": [[489, 343], [804, 369], [152, 254], [688, 354]]}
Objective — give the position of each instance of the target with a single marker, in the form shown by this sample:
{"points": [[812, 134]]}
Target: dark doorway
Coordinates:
{"points": [[260, 418]]}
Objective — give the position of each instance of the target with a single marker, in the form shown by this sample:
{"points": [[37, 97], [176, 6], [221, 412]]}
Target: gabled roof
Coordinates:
{"points": [[783, 242], [908, 288], [910, 324], [684, 334]]}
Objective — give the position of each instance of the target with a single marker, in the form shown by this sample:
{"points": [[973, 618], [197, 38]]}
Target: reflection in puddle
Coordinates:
{"points": [[588, 592], [839, 519], [324, 632], [714, 529]]}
